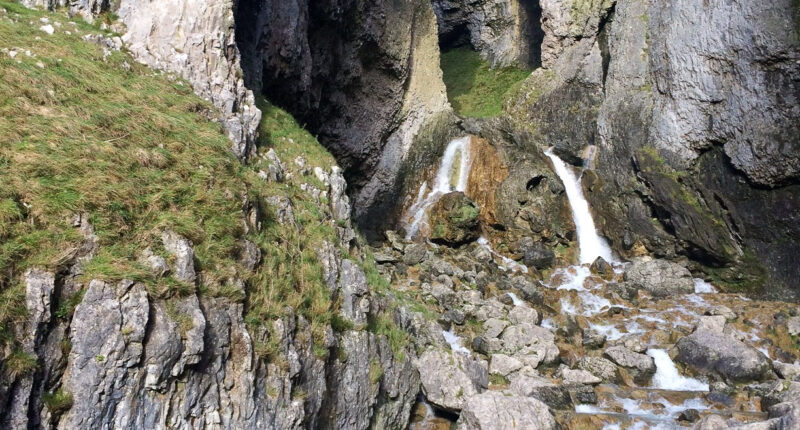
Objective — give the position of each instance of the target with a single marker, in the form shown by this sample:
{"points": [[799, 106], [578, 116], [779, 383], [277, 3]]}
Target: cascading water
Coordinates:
{"points": [[591, 245], [453, 175]]}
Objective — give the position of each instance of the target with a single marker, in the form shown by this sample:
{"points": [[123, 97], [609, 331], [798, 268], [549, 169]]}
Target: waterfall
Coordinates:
{"points": [[667, 376], [591, 245], [453, 175]]}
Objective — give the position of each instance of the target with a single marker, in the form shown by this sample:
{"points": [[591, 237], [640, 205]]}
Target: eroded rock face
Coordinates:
{"points": [[195, 40], [364, 77], [505, 32], [660, 278], [708, 351], [497, 410], [454, 219], [674, 142]]}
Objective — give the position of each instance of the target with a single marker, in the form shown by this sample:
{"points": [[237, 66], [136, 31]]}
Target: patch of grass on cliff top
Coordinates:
{"points": [[86, 133], [473, 88]]}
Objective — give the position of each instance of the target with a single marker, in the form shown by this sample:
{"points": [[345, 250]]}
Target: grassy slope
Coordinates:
{"points": [[135, 151], [473, 88]]}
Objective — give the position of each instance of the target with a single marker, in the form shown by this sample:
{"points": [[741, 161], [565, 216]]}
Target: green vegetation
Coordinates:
{"points": [[20, 363], [474, 89], [375, 371], [497, 379], [58, 402], [101, 137]]}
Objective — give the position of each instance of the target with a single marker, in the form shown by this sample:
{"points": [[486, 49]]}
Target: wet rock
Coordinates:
{"points": [[494, 410], [689, 415], [660, 278], [641, 366], [181, 249], [710, 352], [584, 394], [415, 253], [553, 395], [602, 268], [449, 379], [537, 255], [454, 219]]}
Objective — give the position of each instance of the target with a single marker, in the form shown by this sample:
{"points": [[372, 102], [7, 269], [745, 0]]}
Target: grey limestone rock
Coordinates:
{"points": [[496, 410], [708, 351]]}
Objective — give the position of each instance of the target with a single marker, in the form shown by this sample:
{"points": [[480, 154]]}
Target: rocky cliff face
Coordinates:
{"points": [[364, 77], [676, 108], [504, 32]]}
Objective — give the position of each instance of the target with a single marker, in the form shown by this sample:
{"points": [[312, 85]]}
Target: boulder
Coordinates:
{"points": [[415, 253], [454, 219], [708, 352], [793, 326], [640, 366], [448, 380], [660, 278], [602, 268], [537, 255], [553, 395], [600, 367], [495, 410]]}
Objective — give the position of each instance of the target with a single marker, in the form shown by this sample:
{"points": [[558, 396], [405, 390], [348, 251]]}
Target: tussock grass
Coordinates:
{"points": [[473, 88]]}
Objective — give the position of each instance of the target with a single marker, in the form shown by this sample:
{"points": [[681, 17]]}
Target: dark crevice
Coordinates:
{"points": [[534, 182], [458, 36], [532, 32], [602, 40]]}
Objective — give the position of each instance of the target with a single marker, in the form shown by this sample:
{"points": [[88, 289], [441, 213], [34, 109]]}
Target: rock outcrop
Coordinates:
{"points": [[363, 77], [679, 165], [505, 32]]}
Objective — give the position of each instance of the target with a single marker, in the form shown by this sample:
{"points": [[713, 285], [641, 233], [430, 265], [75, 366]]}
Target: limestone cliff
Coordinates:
{"points": [[695, 127]]}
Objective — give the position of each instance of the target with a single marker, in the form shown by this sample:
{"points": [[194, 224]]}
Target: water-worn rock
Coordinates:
{"points": [[494, 410], [641, 366], [660, 278], [600, 367], [553, 395], [450, 379], [711, 352]]}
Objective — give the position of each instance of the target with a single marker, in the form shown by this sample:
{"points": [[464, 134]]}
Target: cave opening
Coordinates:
{"points": [[458, 36], [531, 33]]}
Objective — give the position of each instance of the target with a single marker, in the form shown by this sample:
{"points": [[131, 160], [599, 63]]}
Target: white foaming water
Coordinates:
{"points": [[454, 341], [505, 262], [445, 182], [516, 300], [590, 243], [703, 287], [573, 281], [667, 376]]}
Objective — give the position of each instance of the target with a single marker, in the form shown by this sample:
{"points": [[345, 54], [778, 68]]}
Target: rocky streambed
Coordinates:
{"points": [[634, 345]]}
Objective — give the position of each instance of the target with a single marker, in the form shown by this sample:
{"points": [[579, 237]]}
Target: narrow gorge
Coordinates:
{"points": [[416, 214]]}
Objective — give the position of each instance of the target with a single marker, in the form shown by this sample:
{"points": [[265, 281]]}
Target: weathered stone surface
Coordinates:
{"points": [[181, 250], [660, 278], [196, 41], [415, 253], [553, 395], [710, 352], [450, 379], [454, 219], [354, 291], [641, 366], [494, 410], [505, 32]]}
